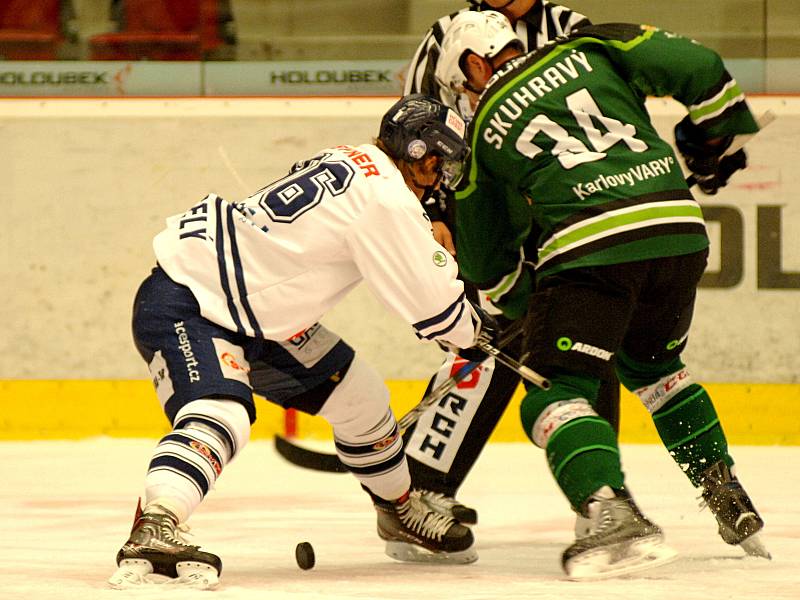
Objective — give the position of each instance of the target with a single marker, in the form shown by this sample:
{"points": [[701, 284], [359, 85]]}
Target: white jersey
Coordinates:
{"points": [[273, 265]]}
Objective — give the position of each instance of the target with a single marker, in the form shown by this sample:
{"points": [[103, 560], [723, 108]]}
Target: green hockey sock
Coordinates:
{"points": [[584, 456], [690, 429]]}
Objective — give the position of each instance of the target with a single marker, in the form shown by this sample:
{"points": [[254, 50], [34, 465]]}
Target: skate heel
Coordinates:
{"points": [[449, 506], [739, 522]]}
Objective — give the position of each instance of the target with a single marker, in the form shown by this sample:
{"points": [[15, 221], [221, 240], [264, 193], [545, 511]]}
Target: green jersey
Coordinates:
{"points": [[564, 154]]}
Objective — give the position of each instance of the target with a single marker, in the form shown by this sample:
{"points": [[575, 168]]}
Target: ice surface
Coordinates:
{"points": [[66, 507]]}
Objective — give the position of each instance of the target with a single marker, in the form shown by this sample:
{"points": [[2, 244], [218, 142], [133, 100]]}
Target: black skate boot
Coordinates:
{"points": [[449, 506], [415, 533], [738, 521], [619, 540], [155, 546]]}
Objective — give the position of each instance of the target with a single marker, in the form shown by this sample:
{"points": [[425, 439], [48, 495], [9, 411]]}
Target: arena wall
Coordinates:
{"points": [[87, 183]]}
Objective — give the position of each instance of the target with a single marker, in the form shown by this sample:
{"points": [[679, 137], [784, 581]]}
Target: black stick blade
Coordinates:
{"points": [[308, 459]]}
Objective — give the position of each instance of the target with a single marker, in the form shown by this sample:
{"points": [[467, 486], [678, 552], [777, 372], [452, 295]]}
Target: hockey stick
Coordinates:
{"points": [[739, 141], [246, 189], [525, 372], [307, 458], [330, 463]]}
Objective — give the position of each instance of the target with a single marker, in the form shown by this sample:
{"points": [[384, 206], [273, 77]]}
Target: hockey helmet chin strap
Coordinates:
{"points": [[449, 174], [428, 190]]}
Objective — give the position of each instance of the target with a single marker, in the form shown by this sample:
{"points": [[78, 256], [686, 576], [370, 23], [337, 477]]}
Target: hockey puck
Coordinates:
{"points": [[304, 554]]}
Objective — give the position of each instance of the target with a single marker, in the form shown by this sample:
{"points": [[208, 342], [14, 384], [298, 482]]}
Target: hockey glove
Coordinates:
{"points": [[711, 170], [487, 331], [435, 205]]}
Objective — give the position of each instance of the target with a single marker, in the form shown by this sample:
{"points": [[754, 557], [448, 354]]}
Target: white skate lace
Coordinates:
{"points": [[601, 515], [170, 531], [605, 518], [419, 518], [438, 499], [181, 532]]}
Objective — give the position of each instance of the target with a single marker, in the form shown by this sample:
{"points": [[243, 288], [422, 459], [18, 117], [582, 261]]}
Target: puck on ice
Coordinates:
{"points": [[304, 554]]}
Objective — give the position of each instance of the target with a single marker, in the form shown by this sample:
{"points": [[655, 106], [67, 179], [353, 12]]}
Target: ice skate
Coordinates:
{"points": [[449, 506], [416, 533], [155, 547], [583, 526], [739, 523], [621, 540]]}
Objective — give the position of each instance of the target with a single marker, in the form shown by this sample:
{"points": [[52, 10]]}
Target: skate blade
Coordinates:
{"points": [[621, 559], [136, 573], [405, 552], [753, 546], [132, 573], [197, 575]]}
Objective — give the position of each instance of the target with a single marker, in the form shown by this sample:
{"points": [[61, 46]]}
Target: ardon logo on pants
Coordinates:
{"points": [[567, 345]]}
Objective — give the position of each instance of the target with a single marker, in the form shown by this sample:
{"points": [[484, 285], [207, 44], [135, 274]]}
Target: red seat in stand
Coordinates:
{"points": [[29, 29], [153, 30]]}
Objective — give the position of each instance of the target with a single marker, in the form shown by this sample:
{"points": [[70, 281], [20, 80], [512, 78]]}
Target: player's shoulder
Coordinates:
{"points": [[377, 177], [600, 34], [367, 160], [389, 190], [621, 32]]}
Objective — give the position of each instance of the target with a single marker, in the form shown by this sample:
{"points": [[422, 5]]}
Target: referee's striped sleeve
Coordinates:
{"points": [[420, 77]]}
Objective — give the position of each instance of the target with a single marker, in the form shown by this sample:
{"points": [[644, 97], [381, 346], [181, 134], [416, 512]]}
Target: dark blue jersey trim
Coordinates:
{"points": [[239, 274], [442, 316], [223, 269]]}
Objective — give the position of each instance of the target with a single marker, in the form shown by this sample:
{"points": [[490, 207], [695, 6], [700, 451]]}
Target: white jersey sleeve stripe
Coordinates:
{"points": [[443, 322]]}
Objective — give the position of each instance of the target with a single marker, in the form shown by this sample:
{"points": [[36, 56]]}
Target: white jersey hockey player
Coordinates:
{"points": [[232, 310], [274, 264]]}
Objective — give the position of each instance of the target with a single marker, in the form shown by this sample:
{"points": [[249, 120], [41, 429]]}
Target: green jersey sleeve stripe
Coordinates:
{"points": [[505, 284], [615, 222], [730, 95]]}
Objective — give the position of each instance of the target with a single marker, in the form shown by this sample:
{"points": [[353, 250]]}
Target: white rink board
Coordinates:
{"points": [[88, 183]]}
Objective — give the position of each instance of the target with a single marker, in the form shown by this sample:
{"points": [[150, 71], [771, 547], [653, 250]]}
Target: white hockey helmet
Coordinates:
{"points": [[485, 33]]}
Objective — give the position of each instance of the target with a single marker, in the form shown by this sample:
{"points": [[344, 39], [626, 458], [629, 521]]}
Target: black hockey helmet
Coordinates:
{"points": [[418, 125]]}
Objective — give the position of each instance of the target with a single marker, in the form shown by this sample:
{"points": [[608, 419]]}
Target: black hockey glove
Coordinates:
{"points": [[434, 205], [488, 332], [711, 170]]}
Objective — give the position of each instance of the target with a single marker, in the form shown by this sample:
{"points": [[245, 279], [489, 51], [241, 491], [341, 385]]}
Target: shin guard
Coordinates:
{"points": [[581, 447], [188, 460], [365, 431], [682, 411]]}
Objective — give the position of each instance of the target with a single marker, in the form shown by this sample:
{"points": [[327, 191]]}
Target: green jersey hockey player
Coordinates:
{"points": [[567, 172]]}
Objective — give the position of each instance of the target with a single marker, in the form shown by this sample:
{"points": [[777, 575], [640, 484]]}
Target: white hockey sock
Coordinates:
{"points": [[365, 432], [187, 461]]}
